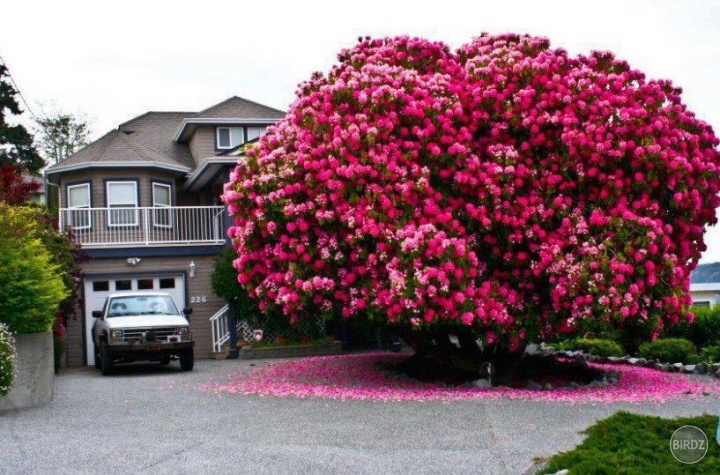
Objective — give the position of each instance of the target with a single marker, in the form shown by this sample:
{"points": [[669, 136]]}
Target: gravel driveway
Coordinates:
{"points": [[155, 419]]}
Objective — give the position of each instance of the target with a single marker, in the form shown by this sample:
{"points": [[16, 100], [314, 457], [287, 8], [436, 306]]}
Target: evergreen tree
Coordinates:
{"points": [[16, 143]]}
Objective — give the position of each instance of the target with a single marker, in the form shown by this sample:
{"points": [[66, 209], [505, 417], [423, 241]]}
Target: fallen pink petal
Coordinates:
{"points": [[360, 377]]}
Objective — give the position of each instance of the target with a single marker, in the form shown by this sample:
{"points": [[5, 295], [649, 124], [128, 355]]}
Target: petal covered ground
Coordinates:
{"points": [[359, 376]]}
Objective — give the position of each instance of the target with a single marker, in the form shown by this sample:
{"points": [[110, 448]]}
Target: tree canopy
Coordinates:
{"points": [[61, 135], [506, 188]]}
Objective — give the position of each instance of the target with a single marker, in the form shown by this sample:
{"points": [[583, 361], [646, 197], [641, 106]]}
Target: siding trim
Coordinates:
{"points": [[169, 251]]}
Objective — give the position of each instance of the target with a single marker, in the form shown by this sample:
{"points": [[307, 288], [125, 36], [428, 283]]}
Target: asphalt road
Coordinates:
{"points": [[155, 419]]}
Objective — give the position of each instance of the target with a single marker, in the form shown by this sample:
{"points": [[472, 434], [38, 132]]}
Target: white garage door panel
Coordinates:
{"points": [[98, 288]]}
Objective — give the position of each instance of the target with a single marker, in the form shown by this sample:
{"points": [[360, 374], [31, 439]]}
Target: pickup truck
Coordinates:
{"points": [[141, 326]]}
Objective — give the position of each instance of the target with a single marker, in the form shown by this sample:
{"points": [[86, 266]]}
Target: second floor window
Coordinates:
{"points": [[122, 202], [162, 198], [78, 202], [229, 137]]}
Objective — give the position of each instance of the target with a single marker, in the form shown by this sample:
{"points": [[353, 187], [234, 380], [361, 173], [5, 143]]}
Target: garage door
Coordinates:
{"points": [[97, 289]]}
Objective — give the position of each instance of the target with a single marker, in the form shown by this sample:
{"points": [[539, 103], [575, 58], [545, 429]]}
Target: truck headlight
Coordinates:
{"points": [[117, 334], [183, 331]]}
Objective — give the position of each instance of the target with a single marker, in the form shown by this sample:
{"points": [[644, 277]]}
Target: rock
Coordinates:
{"points": [[533, 385], [548, 351], [548, 386], [601, 359], [532, 349], [564, 471], [637, 361], [573, 385], [689, 368], [718, 373], [596, 384], [701, 368], [482, 384], [661, 367], [626, 358], [677, 367], [614, 359], [612, 380], [612, 374], [714, 367], [590, 357]]}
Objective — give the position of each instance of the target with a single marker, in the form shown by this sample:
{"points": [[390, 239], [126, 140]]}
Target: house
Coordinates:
{"points": [[144, 202], [705, 294], [37, 196]]}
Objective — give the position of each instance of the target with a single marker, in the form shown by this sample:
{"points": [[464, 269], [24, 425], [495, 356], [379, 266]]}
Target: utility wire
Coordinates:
{"points": [[17, 89]]}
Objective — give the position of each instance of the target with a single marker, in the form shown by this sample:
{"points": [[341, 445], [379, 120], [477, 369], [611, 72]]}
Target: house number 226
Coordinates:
{"points": [[198, 299]]}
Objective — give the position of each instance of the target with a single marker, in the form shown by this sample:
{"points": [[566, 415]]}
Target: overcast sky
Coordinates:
{"points": [[114, 60]]}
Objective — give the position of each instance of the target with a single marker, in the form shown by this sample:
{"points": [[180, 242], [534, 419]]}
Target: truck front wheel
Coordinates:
{"points": [[106, 362], [187, 360]]}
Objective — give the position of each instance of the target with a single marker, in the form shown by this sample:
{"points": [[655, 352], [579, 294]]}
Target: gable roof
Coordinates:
{"points": [[240, 108], [153, 138]]}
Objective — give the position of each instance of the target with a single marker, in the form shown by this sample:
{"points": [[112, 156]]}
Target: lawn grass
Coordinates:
{"points": [[626, 443]]}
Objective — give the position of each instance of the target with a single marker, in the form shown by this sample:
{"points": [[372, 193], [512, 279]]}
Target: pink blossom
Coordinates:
{"points": [[358, 377]]}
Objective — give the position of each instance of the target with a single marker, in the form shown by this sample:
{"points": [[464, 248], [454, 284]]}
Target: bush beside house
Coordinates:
{"points": [[32, 288]]}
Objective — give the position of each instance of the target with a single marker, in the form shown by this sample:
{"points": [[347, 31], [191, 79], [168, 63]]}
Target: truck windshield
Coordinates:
{"points": [[141, 305]]}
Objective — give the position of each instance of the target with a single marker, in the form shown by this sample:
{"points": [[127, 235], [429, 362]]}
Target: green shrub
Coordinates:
{"points": [[669, 350], [31, 285], [7, 360], [710, 354], [635, 444], [704, 331], [224, 282], [595, 347]]}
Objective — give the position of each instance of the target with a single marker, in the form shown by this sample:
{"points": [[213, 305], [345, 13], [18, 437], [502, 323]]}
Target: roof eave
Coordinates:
{"points": [[112, 164], [193, 181]]}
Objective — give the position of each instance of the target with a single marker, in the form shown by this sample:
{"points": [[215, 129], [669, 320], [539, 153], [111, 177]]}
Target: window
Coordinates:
{"points": [[123, 285], [162, 198], [145, 284], [229, 137], [78, 202], [101, 286], [167, 283], [255, 133], [701, 304], [122, 200]]}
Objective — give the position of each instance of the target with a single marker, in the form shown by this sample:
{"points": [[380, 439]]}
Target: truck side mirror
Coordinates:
{"points": [[187, 311], [97, 314]]}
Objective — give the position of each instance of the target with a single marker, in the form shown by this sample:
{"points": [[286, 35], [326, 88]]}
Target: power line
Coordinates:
{"points": [[17, 89]]}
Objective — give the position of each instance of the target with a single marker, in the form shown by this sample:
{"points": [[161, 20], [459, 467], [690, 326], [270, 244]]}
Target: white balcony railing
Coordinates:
{"points": [[131, 227]]}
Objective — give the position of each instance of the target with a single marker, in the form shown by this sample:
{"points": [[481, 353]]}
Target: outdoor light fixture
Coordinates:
{"points": [[192, 269], [133, 261]]}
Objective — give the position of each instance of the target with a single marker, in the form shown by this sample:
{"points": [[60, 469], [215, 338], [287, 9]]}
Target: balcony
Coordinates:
{"points": [[139, 227]]}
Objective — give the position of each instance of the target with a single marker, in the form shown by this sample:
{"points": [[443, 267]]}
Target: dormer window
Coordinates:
{"points": [[229, 137]]}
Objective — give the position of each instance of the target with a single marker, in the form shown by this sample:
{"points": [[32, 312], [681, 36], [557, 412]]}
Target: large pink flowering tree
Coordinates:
{"points": [[505, 192]]}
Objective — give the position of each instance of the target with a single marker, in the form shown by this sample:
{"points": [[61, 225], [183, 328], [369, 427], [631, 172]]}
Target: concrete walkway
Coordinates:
{"points": [[154, 419]]}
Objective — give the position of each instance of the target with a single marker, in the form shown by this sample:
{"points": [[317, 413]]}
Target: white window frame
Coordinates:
{"points": [[229, 129], [161, 205], [73, 209], [112, 206]]}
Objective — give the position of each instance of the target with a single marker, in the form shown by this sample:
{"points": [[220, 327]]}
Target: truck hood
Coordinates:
{"points": [[145, 321]]}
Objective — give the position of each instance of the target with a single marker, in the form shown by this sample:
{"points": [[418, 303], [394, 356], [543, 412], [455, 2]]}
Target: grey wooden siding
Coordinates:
{"points": [[202, 144], [144, 176], [197, 286]]}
